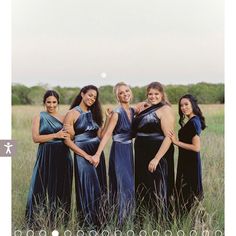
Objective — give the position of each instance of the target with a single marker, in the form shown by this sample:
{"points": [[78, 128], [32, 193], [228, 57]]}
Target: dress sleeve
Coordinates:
{"points": [[116, 110], [195, 127]]}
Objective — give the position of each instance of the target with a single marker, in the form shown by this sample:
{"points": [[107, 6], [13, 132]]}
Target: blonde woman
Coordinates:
{"points": [[121, 171]]}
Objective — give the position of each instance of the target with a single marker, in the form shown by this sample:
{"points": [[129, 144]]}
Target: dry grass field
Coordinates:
{"points": [[212, 154]]}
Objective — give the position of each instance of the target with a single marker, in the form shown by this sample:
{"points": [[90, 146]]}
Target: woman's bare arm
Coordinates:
{"points": [[38, 138], [71, 116], [167, 123]]}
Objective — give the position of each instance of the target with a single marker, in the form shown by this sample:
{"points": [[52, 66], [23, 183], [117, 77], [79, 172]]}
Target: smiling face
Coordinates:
{"points": [[89, 97], [51, 104], [186, 107], [123, 94], [154, 96]]}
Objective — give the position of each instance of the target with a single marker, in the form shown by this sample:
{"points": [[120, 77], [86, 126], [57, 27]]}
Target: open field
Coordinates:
{"points": [[212, 153]]}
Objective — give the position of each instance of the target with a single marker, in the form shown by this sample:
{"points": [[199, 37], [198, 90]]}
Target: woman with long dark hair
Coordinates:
{"points": [[51, 183], [189, 171], [84, 121], [154, 163]]}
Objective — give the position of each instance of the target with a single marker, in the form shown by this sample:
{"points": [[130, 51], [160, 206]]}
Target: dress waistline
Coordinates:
{"points": [[122, 138], [151, 136], [85, 137]]}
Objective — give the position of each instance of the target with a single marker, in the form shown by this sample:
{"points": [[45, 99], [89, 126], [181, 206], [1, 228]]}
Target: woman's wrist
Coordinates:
{"points": [[176, 142]]}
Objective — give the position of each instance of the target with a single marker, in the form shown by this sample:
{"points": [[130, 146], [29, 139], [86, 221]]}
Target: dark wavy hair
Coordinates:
{"points": [[96, 108], [49, 93], [196, 110]]}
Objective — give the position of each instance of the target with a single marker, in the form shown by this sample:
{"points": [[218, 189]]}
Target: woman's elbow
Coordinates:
{"points": [[197, 149], [35, 139]]}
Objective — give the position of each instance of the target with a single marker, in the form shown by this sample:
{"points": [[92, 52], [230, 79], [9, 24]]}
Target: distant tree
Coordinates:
{"points": [[174, 92], [207, 93], [15, 100], [67, 94], [204, 92], [139, 94], [36, 94], [20, 94], [106, 95]]}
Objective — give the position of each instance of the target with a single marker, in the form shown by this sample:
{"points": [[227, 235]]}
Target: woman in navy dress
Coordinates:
{"points": [[154, 163], [85, 119], [51, 182], [189, 171], [121, 171]]}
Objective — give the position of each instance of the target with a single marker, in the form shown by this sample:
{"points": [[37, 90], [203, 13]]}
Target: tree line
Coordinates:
{"points": [[206, 93]]}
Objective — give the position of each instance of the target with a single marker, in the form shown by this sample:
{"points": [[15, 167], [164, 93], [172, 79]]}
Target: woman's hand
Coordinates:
{"points": [[153, 165], [62, 134], [95, 160], [69, 129], [141, 106], [88, 158], [108, 113], [172, 136]]}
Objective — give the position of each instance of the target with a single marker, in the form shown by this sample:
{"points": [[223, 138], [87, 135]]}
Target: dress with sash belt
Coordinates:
{"points": [[121, 170], [153, 190], [90, 182]]}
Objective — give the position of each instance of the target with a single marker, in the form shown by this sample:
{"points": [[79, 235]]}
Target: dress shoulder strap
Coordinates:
{"points": [[78, 108]]}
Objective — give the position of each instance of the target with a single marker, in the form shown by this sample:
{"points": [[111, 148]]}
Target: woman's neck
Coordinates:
{"points": [[52, 113], [83, 106], [191, 116], [125, 105]]}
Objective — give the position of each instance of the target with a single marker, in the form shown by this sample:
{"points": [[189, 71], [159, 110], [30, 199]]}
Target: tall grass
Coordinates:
{"points": [[208, 215]]}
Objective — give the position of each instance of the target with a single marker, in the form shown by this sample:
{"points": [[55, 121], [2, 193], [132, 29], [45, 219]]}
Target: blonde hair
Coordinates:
{"points": [[160, 88], [117, 86]]}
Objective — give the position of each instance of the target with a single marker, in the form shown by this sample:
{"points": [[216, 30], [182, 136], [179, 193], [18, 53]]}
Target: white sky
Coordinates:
{"points": [[71, 42]]}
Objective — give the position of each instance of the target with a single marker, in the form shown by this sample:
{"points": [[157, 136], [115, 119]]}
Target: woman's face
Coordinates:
{"points": [[154, 96], [124, 94], [51, 104], [186, 107], [89, 97]]}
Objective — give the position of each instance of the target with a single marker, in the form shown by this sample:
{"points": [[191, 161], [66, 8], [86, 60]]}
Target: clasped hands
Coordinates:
{"points": [[94, 160], [62, 134]]}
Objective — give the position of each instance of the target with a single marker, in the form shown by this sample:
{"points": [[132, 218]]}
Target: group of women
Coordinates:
{"points": [[143, 180]]}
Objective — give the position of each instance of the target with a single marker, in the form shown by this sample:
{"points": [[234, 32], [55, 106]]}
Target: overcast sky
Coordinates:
{"points": [[74, 43]]}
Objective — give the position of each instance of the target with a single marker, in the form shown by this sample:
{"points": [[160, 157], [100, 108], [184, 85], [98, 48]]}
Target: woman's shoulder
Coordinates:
{"points": [[72, 114], [195, 123], [73, 111], [196, 120], [165, 110], [38, 116], [117, 109]]}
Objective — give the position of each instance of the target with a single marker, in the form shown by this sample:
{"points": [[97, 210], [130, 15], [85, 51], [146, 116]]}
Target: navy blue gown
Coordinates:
{"points": [[189, 171], [51, 182], [153, 190], [90, 182], [121, 170]]}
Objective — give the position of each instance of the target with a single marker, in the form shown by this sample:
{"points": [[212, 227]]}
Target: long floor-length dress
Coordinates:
{"points": [[189, 170], [153, 190], [121, 170], [90, 182], [51, 183]]}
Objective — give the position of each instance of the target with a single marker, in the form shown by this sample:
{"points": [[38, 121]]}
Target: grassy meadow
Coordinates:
{"points": [[209, 216]]}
